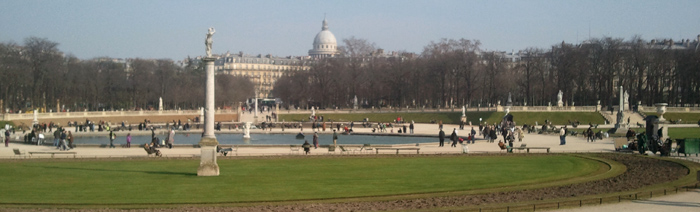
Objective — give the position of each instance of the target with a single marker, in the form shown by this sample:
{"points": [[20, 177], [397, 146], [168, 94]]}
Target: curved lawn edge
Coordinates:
{"points": [[606, 169], [688, 180]]}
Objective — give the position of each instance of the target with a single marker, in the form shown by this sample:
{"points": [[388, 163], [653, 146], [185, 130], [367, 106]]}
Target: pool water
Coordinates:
{"points": [[265, 139]]}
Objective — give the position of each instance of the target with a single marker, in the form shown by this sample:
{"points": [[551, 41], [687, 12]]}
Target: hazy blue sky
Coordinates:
{"points": [[176, 28]]}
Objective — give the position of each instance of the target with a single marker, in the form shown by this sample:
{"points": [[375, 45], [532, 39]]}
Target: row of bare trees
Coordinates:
{"points": [[456, 72], [37, 75]]}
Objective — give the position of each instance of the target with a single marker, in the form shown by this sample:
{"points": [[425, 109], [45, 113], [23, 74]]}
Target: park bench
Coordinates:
{"points": [[366, 147], [19, 153], [528, 148], [294, 148], [398, 149], [53, 153]]}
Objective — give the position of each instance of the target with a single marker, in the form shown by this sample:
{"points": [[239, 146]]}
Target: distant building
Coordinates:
{"points": [[263, 71]]}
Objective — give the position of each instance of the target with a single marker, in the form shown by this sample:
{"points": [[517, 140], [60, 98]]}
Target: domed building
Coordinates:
{"points": [[325, 44]]}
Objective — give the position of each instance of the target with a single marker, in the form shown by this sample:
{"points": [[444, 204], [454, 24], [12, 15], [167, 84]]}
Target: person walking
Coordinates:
{"points": [[315, 140], [62, 142], [128, 140], [492, 133], [453, 137], [171, 138], [562, 136], [441, 136], [112, 136], [335, 138]]}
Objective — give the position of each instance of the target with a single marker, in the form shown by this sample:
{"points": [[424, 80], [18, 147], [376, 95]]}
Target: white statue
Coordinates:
{"points": [[626, 97], [209, 41], [560, 95]]}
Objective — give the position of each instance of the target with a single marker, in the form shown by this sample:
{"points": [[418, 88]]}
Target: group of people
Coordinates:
{"points": [[456, 138], [307, 146]]}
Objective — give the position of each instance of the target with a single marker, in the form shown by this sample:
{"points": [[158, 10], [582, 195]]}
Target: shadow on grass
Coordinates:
{"points": [[121, 171]]}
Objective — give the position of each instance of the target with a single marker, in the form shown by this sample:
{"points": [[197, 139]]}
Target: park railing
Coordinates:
{"points": [[80, 114]]}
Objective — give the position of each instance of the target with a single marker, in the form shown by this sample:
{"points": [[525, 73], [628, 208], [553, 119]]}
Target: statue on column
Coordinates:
{"points": [[209, 40]]}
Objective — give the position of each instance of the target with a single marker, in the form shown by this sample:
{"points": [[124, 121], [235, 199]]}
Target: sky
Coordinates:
{"points": [[175, 29]]}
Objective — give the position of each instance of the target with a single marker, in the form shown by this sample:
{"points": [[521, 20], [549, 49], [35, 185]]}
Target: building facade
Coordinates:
{"points": [[263, 71]]}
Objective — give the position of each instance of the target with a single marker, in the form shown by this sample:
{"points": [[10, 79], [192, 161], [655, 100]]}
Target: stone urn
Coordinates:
{"points": [[661, 109]]}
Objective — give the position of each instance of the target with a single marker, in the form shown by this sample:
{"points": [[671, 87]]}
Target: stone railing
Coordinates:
{"points": [[24, 116]]}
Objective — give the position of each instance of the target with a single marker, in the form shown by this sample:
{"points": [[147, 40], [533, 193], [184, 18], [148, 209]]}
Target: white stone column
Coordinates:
{"points": [[207, 164]]}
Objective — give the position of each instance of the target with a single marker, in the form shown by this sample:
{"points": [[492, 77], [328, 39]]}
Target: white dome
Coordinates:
{"points": [[325, 44], [325, 37]]}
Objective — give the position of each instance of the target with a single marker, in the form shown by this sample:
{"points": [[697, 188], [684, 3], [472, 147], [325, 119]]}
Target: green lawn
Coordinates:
{"points": [[520, 118], [686, 118], [673, 132], [2, 123], [141, 181]]}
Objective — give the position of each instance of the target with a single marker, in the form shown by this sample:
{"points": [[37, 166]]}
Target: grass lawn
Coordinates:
{"points": [[520, 118], [673, 132], [686, 118], [2, 123], [141, 181]]}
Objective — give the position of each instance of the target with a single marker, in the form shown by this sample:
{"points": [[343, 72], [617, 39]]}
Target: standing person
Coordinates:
{"points": [[441, 136], [411, 126], [492, 133], [511, 138], [335, 138], [112, 136], [473, 135], [315, 140], [404, 128], [440, 124], [323, 126], [128, 140], [7, 137], [56, 136], [171, 138], [562, 136], [521, 135], [153, 133], [453, 137], [70, 140]]}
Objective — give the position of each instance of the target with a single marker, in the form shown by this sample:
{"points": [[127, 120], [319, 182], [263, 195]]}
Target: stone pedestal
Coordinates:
{"points": [[207, 164], [560, 104]]}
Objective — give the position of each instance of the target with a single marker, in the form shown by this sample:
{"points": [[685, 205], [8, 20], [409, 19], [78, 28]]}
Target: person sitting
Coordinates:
{"points": [[152, 150], [503, 146], [306, 146]]}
